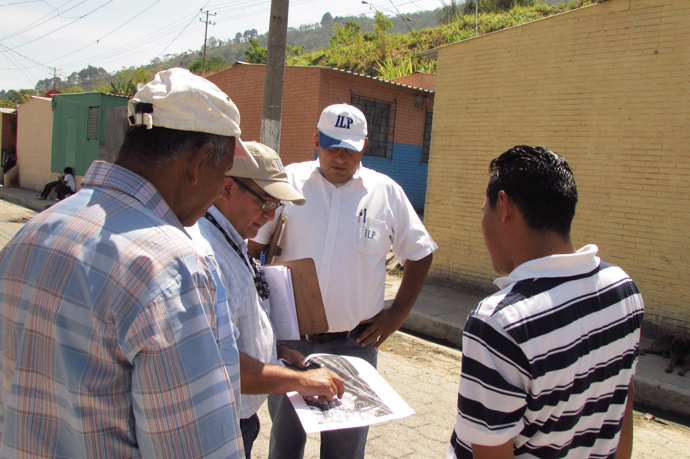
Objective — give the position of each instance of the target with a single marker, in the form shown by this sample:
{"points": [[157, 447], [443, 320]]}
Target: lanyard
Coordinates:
{"points": [[258, 274]]}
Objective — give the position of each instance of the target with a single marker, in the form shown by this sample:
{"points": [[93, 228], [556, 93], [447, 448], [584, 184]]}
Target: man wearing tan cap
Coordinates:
{"points": [[117, 336], [249, 200]]}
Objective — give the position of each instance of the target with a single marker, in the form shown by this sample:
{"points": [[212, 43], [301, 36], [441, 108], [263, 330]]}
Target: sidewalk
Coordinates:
{"points": [[440, 314], [26, 198]]}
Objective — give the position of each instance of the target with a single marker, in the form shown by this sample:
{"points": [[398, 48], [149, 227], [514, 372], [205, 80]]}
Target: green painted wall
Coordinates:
{"points": [[71, 145]]}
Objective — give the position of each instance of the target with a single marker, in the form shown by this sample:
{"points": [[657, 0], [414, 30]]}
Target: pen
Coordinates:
{"points": [[359, 219], [365, 215], [262, 257]]}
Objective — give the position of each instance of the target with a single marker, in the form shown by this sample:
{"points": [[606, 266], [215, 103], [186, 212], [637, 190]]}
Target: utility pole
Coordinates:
{"points": [[275, 75], [476, 17], [203, 59], [55, 77]]}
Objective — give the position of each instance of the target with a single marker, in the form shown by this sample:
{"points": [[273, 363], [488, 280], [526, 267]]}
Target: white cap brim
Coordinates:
{"points": [[242, 152]]}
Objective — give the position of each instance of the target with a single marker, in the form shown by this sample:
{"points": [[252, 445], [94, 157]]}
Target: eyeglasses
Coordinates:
{"points": [[265, 204]]}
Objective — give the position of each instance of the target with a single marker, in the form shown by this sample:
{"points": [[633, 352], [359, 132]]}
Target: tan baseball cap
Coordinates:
{"points": [[178, 99], [269, 174]]}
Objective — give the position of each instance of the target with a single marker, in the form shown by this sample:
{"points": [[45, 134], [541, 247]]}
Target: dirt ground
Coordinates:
{"points": [[656, 436]]}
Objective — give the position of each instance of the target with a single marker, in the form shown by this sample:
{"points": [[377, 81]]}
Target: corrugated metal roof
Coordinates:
{"points": [[325, 67], [9, 111]]}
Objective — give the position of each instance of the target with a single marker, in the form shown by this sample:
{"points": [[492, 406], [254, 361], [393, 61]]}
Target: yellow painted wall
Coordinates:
{"points": [[34, 139], [608, 87]]}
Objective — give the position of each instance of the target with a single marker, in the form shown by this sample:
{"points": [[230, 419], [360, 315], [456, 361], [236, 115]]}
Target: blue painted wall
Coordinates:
{"points": [[405, 166]]}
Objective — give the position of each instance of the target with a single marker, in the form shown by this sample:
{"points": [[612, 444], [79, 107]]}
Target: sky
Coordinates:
{"points": [[40, 38]]}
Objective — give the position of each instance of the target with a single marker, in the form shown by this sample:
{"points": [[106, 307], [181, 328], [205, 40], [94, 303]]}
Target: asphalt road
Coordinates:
{"points": [[426, 375]]}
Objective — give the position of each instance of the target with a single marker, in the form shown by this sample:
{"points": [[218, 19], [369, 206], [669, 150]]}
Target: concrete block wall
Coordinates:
{"points": [[606, 86], [34, 139], [406, 168]]}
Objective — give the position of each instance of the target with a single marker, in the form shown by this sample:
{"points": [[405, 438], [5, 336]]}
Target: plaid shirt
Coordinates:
{"points": [[115, 334]]}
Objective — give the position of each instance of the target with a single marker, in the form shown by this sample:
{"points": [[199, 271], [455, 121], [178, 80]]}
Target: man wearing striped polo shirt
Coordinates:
{"points": [[548, 360]]}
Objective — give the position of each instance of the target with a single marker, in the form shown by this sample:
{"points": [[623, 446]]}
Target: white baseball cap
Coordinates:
{"points": [[342, 126], [178, 99], [269, 175]]}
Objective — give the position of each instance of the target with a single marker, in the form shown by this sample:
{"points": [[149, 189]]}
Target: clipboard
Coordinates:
{"points": [[274, 249], [311, 315]]}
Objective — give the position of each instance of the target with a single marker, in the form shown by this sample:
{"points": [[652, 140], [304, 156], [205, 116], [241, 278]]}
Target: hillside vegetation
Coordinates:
{"points": [[390, 55], [385, 47]]}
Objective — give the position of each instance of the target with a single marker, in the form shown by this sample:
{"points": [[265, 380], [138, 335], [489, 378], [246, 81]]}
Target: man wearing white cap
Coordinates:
{"points": [[352, 217], [248, 201], [117, 339]]}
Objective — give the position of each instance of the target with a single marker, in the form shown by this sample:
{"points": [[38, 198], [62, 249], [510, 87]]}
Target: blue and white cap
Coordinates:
{"points": [[342, 126]]}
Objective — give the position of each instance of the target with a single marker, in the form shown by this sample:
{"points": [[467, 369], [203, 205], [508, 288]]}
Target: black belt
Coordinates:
{"points": [[325, 337]]}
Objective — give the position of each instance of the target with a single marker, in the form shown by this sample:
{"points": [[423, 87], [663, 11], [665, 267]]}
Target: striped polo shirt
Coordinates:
{"points": [[547, 361]]}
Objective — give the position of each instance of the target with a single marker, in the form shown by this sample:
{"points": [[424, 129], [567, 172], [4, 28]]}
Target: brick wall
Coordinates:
{"points": [[307, 91], [418, 80], [245, 86], [607, 86]]}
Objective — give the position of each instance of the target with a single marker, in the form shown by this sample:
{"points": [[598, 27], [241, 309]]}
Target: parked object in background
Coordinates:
{"points": [[674, 345]]}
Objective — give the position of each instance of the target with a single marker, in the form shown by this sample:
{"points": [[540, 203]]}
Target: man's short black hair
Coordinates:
{"points": [[158, 146], [540, 183], [68, 170]]}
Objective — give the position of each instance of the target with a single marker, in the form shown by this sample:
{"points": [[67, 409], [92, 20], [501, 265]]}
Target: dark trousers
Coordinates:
{"points": [[288, 438], [48, 188], [250, 430], [63, 191]]}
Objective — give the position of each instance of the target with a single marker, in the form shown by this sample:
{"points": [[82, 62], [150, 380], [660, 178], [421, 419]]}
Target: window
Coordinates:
{"points": [[92, 128], [378, 115], [426, 144]]}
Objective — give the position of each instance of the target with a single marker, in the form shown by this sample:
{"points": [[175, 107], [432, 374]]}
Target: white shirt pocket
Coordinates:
{"points": [[371, 237]]}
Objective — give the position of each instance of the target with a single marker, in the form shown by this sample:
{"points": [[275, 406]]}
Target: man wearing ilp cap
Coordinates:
{"points": [[352, 218], [117, 339]]}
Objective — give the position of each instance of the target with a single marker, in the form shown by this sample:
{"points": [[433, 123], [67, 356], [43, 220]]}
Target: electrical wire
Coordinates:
{"points": [[60, 28], [33, 25], [109, 33]]}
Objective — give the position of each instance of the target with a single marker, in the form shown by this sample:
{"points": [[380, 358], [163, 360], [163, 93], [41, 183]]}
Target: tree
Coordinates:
{"points": [[4, 103], [91, 74], [494, 6], [346, 35], [238, 38], [451, 11], [72, 89], [256, 54], [126, 80], [213, 65], [326, 20], [250, 34], [21, 96], [381, 23]]}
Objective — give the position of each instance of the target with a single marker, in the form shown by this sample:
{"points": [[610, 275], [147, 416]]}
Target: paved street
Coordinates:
{"points": [[426, 376]]}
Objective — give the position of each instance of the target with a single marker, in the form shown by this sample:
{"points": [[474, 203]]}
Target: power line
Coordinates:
{"points": [[68, 24], [178, 35], [112, 31], [32, 26]]}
